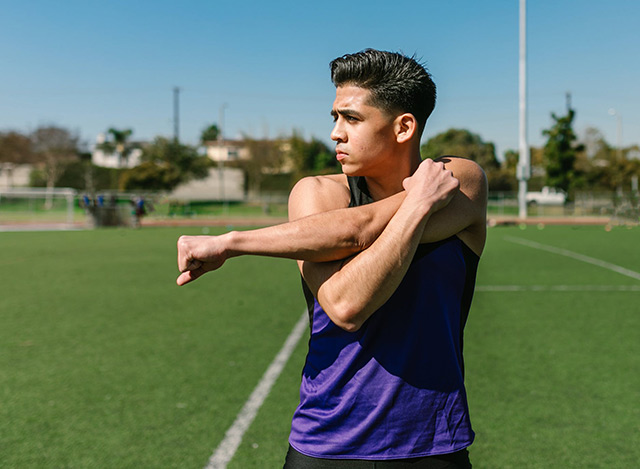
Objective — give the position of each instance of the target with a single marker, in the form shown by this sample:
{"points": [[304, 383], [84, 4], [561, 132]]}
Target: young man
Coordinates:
{"points": [[388, 251]]}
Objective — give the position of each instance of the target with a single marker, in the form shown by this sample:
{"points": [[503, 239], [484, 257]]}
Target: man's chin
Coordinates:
{"points": [[350, 171]]}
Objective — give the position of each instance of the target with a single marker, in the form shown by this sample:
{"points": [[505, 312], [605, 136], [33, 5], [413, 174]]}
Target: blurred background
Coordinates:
{"points": [[201, 106]]}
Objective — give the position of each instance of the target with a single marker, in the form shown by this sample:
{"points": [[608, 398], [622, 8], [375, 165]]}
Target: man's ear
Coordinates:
{"points": [[405, 127]]}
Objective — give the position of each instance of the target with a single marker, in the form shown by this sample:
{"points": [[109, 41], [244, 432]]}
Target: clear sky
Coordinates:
{"points": [[90, 65]]}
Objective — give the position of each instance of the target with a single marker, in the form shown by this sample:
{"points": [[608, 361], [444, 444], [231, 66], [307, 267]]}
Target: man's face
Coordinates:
{"points": [[364, 134]]}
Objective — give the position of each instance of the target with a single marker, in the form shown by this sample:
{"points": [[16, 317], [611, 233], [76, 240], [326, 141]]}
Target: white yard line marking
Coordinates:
{"points": [[229, 444], [575, 255], [561, 288]]}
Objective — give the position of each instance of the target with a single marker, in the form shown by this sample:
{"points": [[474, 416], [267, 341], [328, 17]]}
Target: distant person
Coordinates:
{"points": [[139, 210], [86, 203], [388, 252]]}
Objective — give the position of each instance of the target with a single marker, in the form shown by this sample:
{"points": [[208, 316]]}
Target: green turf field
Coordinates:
{"points": [[105, 363]]}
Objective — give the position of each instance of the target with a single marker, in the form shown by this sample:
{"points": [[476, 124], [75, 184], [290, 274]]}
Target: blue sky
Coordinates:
{"points": [[92, 65]]}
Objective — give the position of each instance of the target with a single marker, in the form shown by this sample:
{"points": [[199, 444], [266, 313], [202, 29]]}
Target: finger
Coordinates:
{"points": [[439, 165], [183, 256], [187, 277], [193, 264], [183, 278]]}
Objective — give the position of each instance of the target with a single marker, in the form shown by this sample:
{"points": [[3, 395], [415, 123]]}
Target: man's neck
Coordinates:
{"points": [[385, 185]]}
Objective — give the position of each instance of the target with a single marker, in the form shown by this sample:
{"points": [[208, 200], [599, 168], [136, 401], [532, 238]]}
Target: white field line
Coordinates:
{"points": [[575, 255], [558, 288], [229, 444]]}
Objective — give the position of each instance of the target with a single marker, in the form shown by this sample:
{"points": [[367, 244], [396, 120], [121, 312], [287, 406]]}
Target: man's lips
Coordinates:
{"points": [[340, 155]]}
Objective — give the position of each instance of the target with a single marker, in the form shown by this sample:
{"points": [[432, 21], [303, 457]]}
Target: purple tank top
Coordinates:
{"points": [[395, 388]]}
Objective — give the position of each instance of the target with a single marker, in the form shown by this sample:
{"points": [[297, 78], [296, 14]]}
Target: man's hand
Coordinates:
{"points": [[431, 185], [198, 255]]}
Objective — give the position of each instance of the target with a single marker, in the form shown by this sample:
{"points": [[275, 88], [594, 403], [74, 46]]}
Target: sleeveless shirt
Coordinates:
{"points": [[393, 389]]}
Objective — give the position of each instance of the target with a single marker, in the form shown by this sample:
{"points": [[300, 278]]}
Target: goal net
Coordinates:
{"points": [[38, 205]]}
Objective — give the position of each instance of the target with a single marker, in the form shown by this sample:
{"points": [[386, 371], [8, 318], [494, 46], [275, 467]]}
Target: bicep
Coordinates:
{"points": [[310, 196]]}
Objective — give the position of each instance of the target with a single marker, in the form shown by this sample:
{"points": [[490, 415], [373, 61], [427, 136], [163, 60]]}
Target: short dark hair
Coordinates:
{"points": [[397, 83]]}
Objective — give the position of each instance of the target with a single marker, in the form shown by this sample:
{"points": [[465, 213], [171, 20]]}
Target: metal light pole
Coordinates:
{"points": [[618, 117], [221, 160], [524, 169]]}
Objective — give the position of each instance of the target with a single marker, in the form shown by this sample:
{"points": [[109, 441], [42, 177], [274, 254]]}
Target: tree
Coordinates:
{"points": [[210, 134], [151, 176], [613, 170], [462, 142], [166, 163], [311, 157], [55, 147], [266, 156], [560, 152], [16, 148]]}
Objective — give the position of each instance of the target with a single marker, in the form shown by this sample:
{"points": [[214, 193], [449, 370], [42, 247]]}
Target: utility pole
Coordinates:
{"points": [[176, 114], [524, 169]]}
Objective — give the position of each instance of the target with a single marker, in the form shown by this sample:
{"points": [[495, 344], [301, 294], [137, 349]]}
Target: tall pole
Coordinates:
{"points": [[616, 114], [176, 114], [524, 170], [225, 205]]}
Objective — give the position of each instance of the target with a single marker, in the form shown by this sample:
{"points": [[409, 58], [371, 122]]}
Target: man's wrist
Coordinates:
{"points": [[228, 244], [419, 206]]}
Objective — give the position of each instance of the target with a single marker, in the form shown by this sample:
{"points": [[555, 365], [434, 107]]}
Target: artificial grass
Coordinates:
{"points": [[104, 362]]}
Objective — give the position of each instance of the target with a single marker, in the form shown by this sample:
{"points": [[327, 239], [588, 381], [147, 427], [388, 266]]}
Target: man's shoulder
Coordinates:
{"points": [[464, 166], [327, 179], [472, 204], [329, 183], [314, 194], [473, 180]]}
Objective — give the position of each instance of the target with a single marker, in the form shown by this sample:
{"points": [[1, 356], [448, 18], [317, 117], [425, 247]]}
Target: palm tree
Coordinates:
{"points": [[119, 144]]}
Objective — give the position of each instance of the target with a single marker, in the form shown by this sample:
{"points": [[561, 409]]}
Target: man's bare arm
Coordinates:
{"points": [[329, 232], [322, 229]]}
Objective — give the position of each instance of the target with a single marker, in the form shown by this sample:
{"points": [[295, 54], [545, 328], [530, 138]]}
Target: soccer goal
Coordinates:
{"points": [[37, 205]]}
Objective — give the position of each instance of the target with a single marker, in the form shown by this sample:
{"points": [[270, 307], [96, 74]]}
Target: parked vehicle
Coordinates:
{"points": [[547, 196]]}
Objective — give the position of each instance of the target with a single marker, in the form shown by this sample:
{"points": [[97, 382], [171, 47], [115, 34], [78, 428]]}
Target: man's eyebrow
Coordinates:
{"points": [[346, 112]]}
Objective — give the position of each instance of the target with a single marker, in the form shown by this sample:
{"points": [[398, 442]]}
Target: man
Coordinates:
{"points": [[388, 253]]}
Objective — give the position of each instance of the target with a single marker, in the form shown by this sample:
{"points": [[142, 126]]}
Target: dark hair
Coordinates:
{"points": [[397, 83]]}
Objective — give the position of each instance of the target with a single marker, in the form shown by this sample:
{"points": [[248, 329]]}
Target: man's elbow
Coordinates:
{"points": [[345, 316]]}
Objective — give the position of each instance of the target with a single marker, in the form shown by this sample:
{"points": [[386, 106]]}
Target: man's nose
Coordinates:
{"points": [[338, 134]]}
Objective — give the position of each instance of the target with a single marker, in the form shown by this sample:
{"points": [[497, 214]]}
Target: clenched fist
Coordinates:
{"points": [[432, 185], [198, 255]]}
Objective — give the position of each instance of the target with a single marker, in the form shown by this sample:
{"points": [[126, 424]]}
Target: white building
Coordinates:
{"points": [[237, 150], [227, 150], [14, 175], [223, 184]]}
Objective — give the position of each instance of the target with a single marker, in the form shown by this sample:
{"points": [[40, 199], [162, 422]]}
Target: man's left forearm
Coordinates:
{"points": [[321, 237]]}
